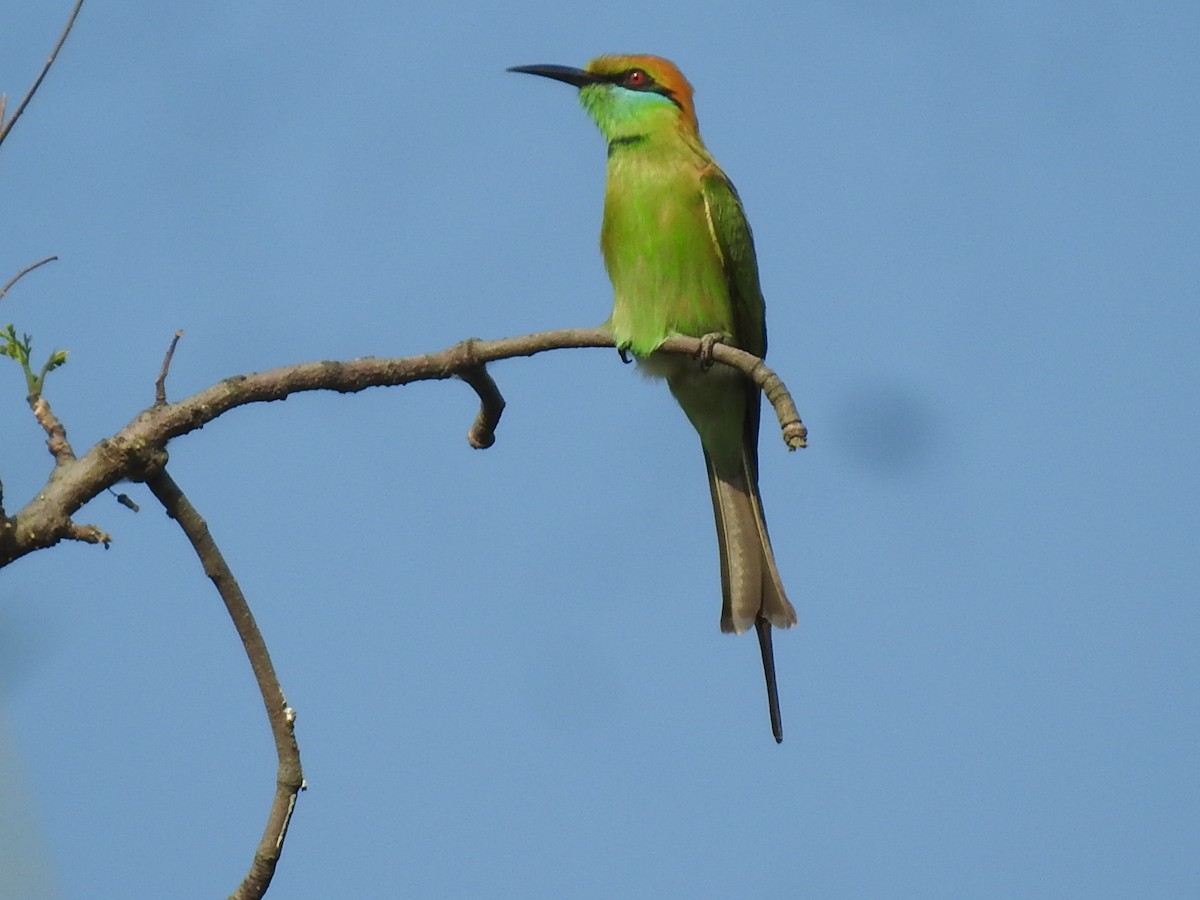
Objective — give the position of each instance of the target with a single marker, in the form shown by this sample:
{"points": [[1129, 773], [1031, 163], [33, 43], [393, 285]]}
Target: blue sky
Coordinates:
{"points": [[977, 231]]}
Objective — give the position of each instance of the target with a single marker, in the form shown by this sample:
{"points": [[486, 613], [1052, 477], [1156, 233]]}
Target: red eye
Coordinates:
{"points": [[636, 78]]}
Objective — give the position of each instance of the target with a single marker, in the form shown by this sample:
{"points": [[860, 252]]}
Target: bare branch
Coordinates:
{"points": [[25, 271], [137, 451], [290, 778], [160, 385], [5, 128]]}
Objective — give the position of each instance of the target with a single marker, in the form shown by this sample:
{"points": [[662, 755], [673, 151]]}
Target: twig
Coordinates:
{"points": [[25, 271], [290, 778], [5, 128], [482, 433], [87, 534], [160, 385], [60, 447]]}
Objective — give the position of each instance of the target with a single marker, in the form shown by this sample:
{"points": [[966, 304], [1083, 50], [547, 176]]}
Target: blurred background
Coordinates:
{"points": [[977, 230]]}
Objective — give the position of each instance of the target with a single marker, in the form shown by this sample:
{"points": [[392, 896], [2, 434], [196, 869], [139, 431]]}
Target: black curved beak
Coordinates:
{"points": [[577, 77]]}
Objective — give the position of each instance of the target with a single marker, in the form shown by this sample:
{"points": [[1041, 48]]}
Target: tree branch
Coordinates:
{"points": [[138, 450], [290, 777], [5, 128]]}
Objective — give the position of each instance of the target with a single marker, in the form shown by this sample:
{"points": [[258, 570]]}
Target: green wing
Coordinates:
{"points": [[728, 222], [732, 233]]}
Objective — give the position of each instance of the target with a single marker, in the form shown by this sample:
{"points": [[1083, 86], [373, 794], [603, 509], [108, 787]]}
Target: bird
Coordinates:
{"points": [[680, 256]]}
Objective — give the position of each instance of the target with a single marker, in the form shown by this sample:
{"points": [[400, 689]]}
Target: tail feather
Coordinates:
{"points": [[741, 558], [751, 590], [768, 658], [750, 584]]}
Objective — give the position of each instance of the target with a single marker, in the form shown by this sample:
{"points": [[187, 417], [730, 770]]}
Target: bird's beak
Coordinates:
{"points": [[577, 77]]}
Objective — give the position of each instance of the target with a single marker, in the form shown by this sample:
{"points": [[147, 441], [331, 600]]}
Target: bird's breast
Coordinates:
{"points": [[666, 270]]}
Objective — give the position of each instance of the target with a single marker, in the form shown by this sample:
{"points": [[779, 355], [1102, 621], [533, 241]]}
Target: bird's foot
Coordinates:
{"points": [[623, 352], [705, 353]]}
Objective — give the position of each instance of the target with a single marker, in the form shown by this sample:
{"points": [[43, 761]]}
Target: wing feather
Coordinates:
{"points": [[735, 243]]}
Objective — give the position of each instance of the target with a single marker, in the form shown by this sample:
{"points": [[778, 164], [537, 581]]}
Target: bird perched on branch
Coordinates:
{"points": [[680, 255]]}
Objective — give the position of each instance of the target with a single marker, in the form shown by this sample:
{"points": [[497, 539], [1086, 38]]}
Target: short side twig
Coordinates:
{"points": [[160, 384], [482, 433], [6, 127], [56, 434], [290, 777], [87, 534]]}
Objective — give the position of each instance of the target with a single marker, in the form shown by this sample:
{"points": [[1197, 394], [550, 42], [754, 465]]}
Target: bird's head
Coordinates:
{"points": [[628, 94]]}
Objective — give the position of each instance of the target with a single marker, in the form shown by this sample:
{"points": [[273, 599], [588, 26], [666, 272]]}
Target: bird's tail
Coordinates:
{"points": [[751, 590]]}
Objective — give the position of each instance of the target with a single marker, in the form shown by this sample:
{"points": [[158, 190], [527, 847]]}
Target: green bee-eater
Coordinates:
{"points": [[681, 259]]}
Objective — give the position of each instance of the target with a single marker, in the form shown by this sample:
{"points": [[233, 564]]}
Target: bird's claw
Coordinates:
{"points": [[705, 353], [623, 352]]}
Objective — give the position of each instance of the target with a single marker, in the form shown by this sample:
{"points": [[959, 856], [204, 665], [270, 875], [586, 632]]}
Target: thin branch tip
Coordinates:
{"points": [[25, 271], [795, 435], [160, 383], [6, 127], [87, 534]]}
